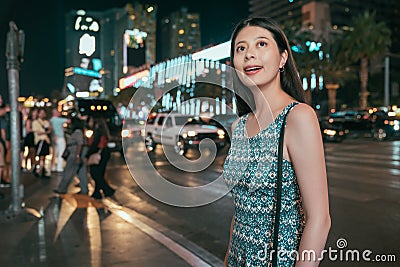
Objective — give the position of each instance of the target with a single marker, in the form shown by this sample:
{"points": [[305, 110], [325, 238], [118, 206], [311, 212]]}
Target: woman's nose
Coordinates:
{"points": [[250, 54]]}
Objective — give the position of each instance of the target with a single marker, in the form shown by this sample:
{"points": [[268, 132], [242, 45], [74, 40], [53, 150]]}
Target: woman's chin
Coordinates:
{"points": [[247, 81]]}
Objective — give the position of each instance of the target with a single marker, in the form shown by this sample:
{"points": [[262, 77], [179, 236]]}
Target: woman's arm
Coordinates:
{"points": [[234, 124], [28, 126], [229, 244], [305, 148], [39, 128], [3, 134]]}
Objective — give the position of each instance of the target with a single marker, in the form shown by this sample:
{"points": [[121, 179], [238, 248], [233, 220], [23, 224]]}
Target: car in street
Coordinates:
{"points": [[225, 122], [385, 127], [353, 122], [332, 131], [132, 128], [180, 131], [99, 108]]}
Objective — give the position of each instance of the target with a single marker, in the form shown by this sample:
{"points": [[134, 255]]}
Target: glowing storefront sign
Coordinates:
{"points": [[82, 94], [87, 45], [131, 80], [85, 23], [217, 52], [87, 72]]}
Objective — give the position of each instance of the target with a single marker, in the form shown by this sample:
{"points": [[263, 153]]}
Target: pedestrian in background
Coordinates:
{"points": [[42, 129], [58, 140], [98, 144], [3, 108], [75, 142], [24, 116], [83, 170], [4, 175], [30, 139], [3, 151], [264, 67]]}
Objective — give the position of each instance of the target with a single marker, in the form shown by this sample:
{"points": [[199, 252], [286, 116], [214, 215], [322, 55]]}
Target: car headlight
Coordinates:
{"points": [[329, 132], [191, 133], [125, 133], [221, 132], [88, 133]]}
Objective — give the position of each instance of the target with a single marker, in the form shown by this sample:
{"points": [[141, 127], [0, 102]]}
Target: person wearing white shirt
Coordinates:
{"points": [[58, 144]]}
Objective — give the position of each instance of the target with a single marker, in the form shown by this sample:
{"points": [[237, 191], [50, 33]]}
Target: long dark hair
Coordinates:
{"points": [[101, 125], [30, 115], [290, 80]]}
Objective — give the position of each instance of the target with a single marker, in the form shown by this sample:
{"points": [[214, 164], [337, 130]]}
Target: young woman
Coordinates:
{"points": [[98, 141], [30, 139], [41, 128], [261, 56]]}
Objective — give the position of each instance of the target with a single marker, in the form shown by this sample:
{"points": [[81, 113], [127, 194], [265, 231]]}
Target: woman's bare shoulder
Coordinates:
{"points": [[302, 114]]}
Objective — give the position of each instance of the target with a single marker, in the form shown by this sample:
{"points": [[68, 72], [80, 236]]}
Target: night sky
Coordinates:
{"points": [[43, 24]]}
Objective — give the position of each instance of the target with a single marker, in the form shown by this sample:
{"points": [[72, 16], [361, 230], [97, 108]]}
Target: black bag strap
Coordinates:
{"points": [[279, 191]]}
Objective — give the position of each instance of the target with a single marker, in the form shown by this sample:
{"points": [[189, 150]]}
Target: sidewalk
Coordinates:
{"points": [[76, 230]]}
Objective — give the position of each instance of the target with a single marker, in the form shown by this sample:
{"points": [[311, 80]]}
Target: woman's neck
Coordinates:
{"points": [[269, 101]]}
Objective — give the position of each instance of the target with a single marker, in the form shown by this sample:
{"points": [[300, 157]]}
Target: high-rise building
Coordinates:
{"points": [[279, 10], [341, 12], [180, 34], [108, 46], [314, 14], [143, 18], [130, 41], [83, 53]]}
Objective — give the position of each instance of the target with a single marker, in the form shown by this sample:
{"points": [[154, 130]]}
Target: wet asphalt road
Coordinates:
{"points": [[364, 187]]}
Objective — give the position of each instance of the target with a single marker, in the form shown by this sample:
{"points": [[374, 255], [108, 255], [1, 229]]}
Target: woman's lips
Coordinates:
{"points": [[251, 70]]}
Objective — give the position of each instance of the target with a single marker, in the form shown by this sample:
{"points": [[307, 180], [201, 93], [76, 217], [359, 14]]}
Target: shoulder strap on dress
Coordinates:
{"points": [[279, 188]]}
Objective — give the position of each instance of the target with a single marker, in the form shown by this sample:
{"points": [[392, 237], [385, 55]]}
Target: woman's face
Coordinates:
{"points": [[34, 114], [42, 114], [257, 58], [90, 122]]}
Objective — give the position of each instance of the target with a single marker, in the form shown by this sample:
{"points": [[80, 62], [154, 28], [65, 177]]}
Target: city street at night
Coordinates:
{"points": [[133, 229], [149, 133]]}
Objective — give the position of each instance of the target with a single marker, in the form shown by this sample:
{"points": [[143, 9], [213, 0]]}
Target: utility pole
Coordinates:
{"points": [[14, 54], [387, 77], [387, 82]]}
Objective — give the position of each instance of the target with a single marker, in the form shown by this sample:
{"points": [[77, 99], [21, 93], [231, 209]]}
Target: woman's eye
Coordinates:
{"points": [[262, 44], [240, 48]]}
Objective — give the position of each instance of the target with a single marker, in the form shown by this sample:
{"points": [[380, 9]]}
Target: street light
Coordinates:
{"points": [[387, 77]]}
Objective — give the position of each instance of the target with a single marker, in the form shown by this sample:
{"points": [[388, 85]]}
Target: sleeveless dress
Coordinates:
{"points": [[250, 170]]}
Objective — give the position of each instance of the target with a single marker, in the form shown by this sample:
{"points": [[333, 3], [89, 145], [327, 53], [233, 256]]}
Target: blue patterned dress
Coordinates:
{"points": [[250, 170]]}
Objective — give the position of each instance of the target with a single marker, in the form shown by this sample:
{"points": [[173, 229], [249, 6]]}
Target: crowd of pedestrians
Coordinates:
{"points": [[42, 138]]}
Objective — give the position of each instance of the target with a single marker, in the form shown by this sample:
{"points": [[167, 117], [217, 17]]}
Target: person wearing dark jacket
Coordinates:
{"points": [[97, 143], [74, 162]]}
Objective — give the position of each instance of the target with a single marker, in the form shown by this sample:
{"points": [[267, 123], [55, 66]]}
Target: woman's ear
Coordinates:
{"points": [[284, 56]]}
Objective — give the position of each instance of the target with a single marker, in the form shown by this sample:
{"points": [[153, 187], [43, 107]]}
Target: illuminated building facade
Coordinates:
{"points": [[341, 12], [120, 42], [180, 34], [83, 54], [324, 16]]}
